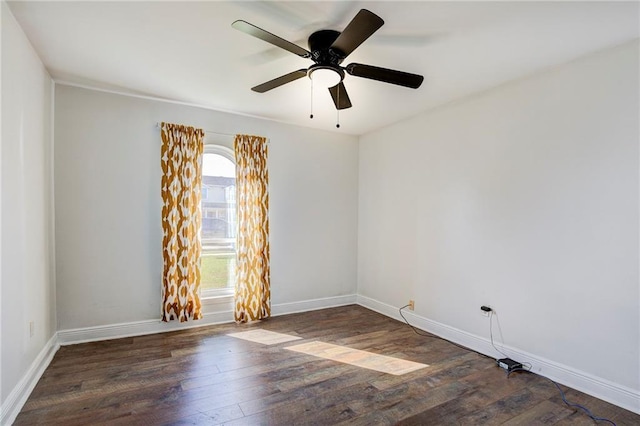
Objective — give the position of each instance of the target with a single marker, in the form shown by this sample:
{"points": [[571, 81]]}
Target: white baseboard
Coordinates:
{"points": [[20, 393], [619, 395], [136, 328], [221, 316], [312, 305]]}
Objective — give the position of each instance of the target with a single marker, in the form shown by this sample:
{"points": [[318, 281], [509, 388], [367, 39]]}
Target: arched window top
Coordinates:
{"points": [[213, 162]]}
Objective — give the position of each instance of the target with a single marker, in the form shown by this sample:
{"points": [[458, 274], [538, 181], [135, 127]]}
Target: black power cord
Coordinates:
{"points": [[527, 365], [433, 336], [564, 398], [527, 369]]}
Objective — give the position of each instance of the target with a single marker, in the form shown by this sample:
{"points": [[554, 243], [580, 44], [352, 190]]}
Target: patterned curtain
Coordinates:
{"points": [[253, 294], [181, 160]]}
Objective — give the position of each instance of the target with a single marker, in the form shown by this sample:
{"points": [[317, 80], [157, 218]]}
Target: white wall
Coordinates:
{"points": [[524, 198], [28, 293], [108, 206]]}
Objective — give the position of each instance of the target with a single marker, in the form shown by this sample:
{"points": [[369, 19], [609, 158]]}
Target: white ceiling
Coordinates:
{"points": [[188, 52]]}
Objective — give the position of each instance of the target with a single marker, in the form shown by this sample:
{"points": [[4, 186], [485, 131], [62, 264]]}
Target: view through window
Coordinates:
{"points": [[218, 260]]}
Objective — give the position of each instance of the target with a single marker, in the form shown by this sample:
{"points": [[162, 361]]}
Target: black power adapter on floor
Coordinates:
{"points": [[509, 364]]}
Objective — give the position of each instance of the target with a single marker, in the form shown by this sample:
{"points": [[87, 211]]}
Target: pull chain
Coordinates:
{"points": [[338, 110], [311, 115]]}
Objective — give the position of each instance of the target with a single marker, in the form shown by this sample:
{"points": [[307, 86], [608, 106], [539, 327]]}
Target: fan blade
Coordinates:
{"points": [[277, 82], [385, 75], [361, 27], [340, 96], [252, 30]]}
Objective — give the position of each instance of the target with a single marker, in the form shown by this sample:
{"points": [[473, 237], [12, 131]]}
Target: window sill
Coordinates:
{"points": [[216, 297], [217, 300], [217, 304]]}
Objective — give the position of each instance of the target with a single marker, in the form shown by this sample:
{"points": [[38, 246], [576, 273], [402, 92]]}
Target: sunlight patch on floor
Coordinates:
{"points": [[264, 337], [358, 358]]}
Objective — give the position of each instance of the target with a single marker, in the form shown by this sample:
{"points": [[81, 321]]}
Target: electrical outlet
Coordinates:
{"points": [[412, 305], [32, 329], [485, 310]]}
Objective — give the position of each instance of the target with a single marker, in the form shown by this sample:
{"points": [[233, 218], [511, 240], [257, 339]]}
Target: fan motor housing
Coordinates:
{"points": [[319, 45]]}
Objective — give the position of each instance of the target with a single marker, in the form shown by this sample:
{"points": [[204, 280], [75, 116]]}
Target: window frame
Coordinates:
{"points": [[229, 154]]}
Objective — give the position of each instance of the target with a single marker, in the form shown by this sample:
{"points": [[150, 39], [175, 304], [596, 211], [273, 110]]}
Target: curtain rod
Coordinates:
{"points": [[208, 131], [219, 134]]}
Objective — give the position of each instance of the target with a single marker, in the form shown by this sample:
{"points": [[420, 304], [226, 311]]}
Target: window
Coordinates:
{"points": [[218, 235]]}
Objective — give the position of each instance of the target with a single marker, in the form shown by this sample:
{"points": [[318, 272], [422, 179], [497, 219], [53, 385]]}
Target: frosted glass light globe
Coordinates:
{"points": [[325, 77]]}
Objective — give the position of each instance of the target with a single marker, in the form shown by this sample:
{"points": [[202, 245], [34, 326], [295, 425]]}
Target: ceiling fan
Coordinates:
{"points": [[328, 48]]}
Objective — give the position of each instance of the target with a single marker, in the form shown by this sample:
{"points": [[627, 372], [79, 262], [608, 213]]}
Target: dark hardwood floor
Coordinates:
{"points": [[202, 376]]}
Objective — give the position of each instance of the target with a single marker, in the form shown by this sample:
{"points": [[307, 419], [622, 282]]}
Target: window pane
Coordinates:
{"points": [[218, 261]]}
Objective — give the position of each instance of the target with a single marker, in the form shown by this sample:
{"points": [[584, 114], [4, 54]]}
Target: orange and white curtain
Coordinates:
{"points": [[181, 160], [252, 293]]}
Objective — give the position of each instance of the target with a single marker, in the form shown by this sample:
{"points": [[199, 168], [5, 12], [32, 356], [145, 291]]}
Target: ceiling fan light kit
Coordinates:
{"points": [[325, 76], [328, 48]]}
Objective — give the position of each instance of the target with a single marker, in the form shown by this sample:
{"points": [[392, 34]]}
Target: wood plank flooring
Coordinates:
{"points": [[202, 376]]}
